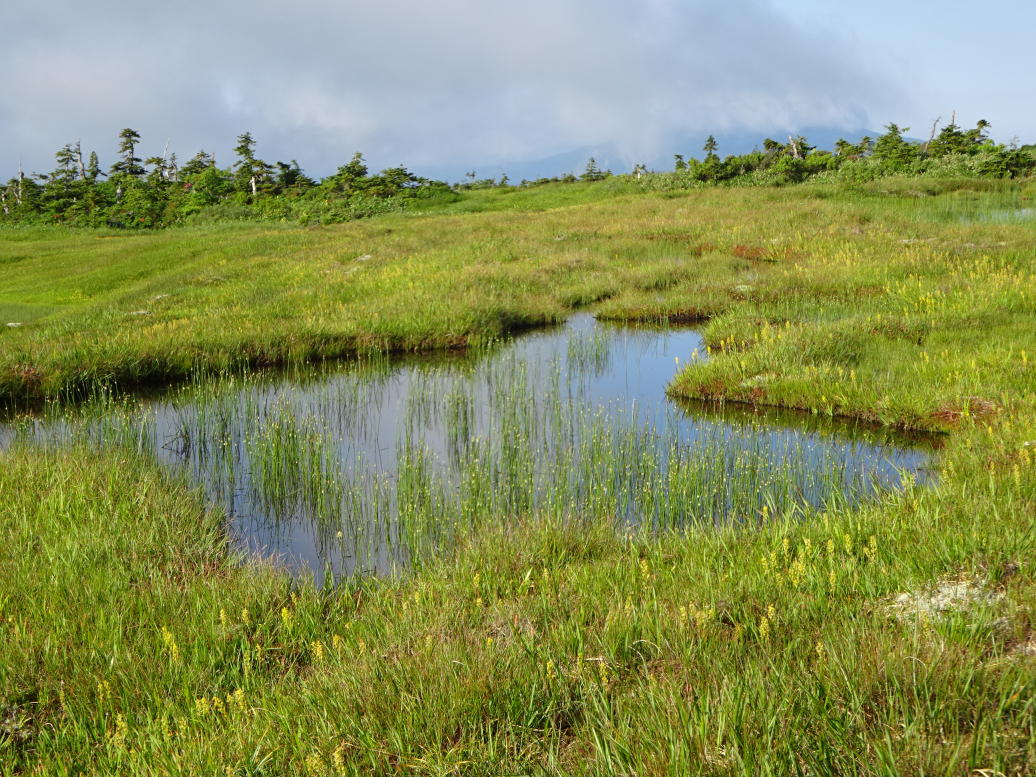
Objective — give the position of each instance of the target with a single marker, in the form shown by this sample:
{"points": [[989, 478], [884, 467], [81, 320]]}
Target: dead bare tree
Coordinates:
{"points": [[79, 160], [931, 137]]}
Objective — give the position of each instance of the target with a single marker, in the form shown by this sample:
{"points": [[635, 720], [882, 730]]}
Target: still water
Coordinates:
{"points": [[361, 467]]}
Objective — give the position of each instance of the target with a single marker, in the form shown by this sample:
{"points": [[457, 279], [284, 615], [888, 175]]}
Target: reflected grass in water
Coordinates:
{"points": [[371, 467]]}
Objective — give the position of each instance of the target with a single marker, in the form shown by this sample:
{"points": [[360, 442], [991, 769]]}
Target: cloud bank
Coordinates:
{"points": [[432, 85]]}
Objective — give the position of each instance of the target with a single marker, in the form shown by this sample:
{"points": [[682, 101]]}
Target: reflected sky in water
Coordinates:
{"points": [[347, 469]]}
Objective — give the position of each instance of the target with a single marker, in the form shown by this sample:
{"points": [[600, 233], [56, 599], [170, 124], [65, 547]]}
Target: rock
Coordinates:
{"points": [[139, 313], [1001, 627], [1027, 648], [14, 324], [947, 597]]}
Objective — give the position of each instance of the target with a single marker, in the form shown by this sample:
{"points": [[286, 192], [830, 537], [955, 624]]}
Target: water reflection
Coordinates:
{"points": [[356, 468], [1006, 216]]}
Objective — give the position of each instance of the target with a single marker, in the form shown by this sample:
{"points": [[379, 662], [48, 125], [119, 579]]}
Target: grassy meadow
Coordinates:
{"points": [[896, 637]]}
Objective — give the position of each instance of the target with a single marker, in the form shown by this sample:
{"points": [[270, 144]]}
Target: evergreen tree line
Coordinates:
{"points": [[951, 152], [158, 191]]}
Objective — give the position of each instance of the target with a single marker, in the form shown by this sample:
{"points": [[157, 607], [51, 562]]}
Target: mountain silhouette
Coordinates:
{"points": [[611, 157]]}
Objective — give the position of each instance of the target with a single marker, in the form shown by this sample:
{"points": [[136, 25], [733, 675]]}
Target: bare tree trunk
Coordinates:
{"points": [[931, 137], [794, 147], [251, 183], [21, 181], [3, 201], [79, 160]]}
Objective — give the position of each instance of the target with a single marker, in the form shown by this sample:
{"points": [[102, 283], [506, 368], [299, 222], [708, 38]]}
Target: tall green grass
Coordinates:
{"points": [[540, 647], [132, 643], [125, 310]]}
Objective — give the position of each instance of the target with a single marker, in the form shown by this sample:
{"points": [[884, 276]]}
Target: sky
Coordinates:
{"points": [[453, 85]]}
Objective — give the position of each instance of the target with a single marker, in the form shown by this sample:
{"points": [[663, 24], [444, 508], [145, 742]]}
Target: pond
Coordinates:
{"points": [[1009, 216], [359, 468]]}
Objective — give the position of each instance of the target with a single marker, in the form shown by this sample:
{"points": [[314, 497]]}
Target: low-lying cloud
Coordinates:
{"points": [[431, 85]]}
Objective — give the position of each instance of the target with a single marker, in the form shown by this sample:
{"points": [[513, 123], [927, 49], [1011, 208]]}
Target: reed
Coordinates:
{"points": [[393, 462]]}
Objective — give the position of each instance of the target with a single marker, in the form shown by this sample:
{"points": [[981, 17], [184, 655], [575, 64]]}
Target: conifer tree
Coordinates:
{"points": [[893, 148], [593, 172], [710, 148], [93, 167], [66, 171], [198, 164], [129, 163], [250, 172], [352, 176]]}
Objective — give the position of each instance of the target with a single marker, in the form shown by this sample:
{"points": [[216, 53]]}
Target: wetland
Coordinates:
{"points": [[360, 467], [512, 537]]}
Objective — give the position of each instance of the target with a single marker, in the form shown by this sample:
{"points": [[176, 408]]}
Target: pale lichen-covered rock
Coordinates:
{"points": [[1027, 649], [947, 597]]}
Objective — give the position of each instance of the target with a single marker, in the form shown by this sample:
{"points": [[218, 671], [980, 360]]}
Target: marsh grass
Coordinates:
{"points": [[383, 465], [293, 465], [536, 646], [132, 643]]}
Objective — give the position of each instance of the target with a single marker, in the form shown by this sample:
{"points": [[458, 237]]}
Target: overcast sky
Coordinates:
{"points": [[456, 83]]}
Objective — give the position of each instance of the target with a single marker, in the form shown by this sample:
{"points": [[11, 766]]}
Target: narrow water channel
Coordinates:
{"points": [[356, 469]]}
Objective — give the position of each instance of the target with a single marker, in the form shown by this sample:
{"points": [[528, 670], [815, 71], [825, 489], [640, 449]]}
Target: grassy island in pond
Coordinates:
{"points": [[893, 637]]}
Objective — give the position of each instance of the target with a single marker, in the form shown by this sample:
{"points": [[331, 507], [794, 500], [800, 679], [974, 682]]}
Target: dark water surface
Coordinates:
{"points": [[359, 467]]}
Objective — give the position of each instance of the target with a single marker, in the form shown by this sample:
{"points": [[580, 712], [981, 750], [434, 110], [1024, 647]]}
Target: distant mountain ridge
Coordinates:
{"points": [[610, 157]]}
